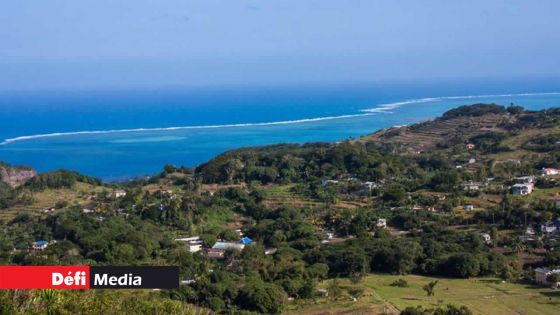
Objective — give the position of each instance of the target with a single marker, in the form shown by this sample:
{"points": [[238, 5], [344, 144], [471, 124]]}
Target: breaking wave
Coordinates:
{"points": [[379, 109]]}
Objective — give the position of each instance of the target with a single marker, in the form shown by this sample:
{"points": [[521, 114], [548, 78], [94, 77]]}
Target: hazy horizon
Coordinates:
{"points": [[102, 44]]}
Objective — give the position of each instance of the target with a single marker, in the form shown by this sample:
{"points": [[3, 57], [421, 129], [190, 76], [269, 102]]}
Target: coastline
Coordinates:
{"points": [[122, 155]]}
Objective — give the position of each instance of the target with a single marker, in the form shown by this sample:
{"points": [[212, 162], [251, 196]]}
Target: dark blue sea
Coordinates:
{"points": [[118, 134]]}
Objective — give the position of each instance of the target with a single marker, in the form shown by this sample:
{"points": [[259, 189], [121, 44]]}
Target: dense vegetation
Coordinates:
{"points": [[343, 189]]}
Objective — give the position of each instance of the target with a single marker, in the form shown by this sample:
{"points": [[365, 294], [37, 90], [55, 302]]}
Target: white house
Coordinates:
{"points": [[541, 275], [369, 185], [525, 179], [40, 245], [382, 223], [522, 189], [270, 251], [471, 186], [550, 171], [472, 161], [468, 207], [118, 193], [548, 228], [486, 238], [194, 246], [188, 239], [328, 182], [194, 243]]}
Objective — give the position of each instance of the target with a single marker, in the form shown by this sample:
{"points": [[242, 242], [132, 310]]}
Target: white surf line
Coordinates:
{"points": [[381, 108], [92, 132]]}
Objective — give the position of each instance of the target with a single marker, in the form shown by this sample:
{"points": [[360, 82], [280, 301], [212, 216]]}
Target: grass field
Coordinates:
{"points": [[48, 199], [482, 295]]}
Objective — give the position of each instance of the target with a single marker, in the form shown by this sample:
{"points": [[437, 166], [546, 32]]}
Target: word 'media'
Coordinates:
{"points": [[126, 279]]}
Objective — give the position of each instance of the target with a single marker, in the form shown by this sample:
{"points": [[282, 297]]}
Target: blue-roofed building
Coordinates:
{"points": [[246, 241]]}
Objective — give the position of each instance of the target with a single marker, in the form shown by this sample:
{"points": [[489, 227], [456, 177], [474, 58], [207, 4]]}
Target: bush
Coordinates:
{"points": [[401, 283]]}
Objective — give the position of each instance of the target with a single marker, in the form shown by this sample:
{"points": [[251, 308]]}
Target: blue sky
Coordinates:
{"points": [[111, 43]]}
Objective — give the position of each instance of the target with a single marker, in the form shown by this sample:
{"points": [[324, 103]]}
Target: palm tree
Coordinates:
{"points": [[50, 299], [429, 288], [518, 247]]}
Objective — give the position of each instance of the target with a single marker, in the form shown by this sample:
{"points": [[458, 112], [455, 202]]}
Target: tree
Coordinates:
{"points": [[394, 193], [334, 289], [429, 288], [462, 265], [448, 310], [259, 296], [554, 279]]}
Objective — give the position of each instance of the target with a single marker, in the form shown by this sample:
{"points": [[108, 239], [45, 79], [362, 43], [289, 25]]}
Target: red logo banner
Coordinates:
{"points": [[44, 277]]}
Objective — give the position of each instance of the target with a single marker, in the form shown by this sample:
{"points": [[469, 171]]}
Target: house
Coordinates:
{"points": [[85, 210], [381, 223], [323, 292], [216, 253], [194, 243], [188, 239], [458, 167], [549, 227], [522, 189], [471, 186], [270, 251], [228, 245], [525, 180], [40, 245], [328, 182], [329, 235], [48, 210], [550, 171], [187, 282], [194, 246], [118, 193], [486, 238], [541, 275], [468, 207], [470, 146], [246, 241], [370, 185], [472, 161]]}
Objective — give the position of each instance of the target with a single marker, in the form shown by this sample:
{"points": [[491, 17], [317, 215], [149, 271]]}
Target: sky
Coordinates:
{"points": [[149, 43]]}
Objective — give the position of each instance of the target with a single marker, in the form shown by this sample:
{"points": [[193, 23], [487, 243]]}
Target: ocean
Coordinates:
{"points": [[119, 134]]}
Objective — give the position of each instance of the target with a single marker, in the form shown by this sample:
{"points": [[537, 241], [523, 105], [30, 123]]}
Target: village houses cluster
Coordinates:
{"points": [[194, 244]]}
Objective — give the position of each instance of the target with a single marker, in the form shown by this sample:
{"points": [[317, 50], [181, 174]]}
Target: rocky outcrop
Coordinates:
{"points": [[15, 176]]}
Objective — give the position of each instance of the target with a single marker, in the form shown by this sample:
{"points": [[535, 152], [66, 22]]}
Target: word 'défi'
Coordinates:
{"points": [[78, 279]]}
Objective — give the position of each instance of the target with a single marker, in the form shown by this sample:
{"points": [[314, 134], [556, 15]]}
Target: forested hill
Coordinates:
{"points": [[490, 132]]}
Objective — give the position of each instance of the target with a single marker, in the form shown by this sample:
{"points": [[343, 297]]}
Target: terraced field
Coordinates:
{"points": [[279, 195], [48, 198], [431, 133]]}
